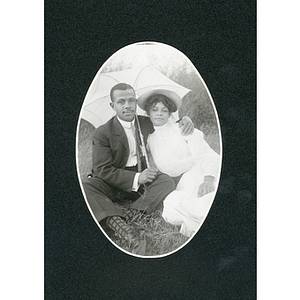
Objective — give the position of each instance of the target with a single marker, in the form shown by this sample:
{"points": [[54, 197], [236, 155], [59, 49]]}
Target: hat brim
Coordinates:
{"points": [[142, 100]]}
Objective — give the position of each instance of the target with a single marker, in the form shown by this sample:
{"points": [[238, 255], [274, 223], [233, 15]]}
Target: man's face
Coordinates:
{"points": [[124, 104]]}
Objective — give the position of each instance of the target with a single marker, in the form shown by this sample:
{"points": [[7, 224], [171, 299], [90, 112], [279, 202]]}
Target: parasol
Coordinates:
{"points": [[96, 108]]}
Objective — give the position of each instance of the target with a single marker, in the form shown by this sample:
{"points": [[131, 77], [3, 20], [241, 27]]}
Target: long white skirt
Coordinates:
{"points": [[183, 207]]}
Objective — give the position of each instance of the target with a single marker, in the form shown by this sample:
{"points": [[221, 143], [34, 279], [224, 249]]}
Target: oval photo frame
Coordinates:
{"points": [[147, 66]]}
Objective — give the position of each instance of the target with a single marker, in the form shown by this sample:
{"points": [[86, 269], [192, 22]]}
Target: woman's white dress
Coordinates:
{"points": [[191, 156]]}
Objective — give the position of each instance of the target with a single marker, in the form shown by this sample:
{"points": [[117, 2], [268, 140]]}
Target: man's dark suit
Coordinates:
{"points": [[110, 154]]}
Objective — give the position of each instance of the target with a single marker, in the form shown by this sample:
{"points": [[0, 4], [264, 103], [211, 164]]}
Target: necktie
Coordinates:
{"points": [[138, 148]]}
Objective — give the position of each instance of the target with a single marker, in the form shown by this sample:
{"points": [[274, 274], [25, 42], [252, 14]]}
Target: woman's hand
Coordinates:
{"points": [[186, 125], [207, 186]]}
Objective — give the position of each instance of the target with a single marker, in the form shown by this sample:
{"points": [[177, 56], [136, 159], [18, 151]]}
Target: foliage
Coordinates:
{"points": [[197, 104], [84, 148]]}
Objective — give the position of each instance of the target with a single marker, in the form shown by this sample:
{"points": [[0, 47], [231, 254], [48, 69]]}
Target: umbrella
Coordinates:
{"points": [[96, 108]]}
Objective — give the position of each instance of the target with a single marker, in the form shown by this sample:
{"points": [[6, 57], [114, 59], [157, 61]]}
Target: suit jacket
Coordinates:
{"points": [[111, 150]]}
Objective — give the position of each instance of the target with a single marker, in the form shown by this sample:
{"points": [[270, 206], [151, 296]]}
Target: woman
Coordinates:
{"points": [[176, 155]]}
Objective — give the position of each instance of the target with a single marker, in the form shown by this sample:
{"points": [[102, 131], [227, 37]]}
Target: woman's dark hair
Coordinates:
{"points": [[154, 99]]}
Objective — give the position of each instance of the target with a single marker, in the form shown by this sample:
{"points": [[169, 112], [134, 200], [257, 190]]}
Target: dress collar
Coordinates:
{"points": [[161, 127]]}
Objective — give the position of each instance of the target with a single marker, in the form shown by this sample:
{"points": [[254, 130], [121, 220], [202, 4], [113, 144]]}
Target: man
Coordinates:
{"points": [[118, 168]]}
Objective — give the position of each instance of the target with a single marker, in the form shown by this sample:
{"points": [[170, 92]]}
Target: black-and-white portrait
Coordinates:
{"points": [[149, 149]]}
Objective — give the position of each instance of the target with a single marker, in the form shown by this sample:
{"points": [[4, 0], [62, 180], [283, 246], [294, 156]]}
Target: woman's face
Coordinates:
{"points": [[159, 114]]}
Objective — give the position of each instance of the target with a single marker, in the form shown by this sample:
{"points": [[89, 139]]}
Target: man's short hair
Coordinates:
{"points": [[119, 86]]}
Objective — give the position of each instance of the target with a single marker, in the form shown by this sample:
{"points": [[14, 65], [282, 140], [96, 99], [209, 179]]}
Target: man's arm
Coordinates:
{"points": [[109, 166]]}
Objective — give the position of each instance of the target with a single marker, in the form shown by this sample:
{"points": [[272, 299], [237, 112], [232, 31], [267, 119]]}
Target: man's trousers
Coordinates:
{"points": [[102, 196]]}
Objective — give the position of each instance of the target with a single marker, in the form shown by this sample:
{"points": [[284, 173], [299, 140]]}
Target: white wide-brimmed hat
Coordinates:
{"points": [[142, 100]]}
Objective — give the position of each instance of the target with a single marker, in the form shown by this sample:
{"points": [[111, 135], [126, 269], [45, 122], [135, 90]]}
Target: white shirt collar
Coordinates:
{"points": [[126, 124]]}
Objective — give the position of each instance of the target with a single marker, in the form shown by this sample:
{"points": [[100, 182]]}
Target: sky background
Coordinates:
{"points": [[165, 58]]}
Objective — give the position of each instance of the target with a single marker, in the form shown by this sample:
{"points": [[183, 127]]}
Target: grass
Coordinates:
{"points": [[162, 237], [84, 146]]}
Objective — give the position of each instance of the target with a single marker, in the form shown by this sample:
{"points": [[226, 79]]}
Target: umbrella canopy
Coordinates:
{"points": [[96, 108]]}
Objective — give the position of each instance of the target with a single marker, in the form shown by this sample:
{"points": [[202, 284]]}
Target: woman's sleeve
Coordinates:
{"points": [[206, 158]]}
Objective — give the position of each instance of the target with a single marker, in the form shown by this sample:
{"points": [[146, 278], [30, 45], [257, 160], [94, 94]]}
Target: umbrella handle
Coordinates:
{"points": [[145, 155], [143, 147]]}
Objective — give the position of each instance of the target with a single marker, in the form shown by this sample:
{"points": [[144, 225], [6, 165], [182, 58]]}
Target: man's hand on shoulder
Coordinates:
{"points": [[186, 125]]}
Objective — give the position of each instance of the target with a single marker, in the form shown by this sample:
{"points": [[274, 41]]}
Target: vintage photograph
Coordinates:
{"points": [[149, 149]]}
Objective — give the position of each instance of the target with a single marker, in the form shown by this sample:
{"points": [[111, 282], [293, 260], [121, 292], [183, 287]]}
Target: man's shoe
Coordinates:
{"points": [[130, 214], [137, 245]]}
